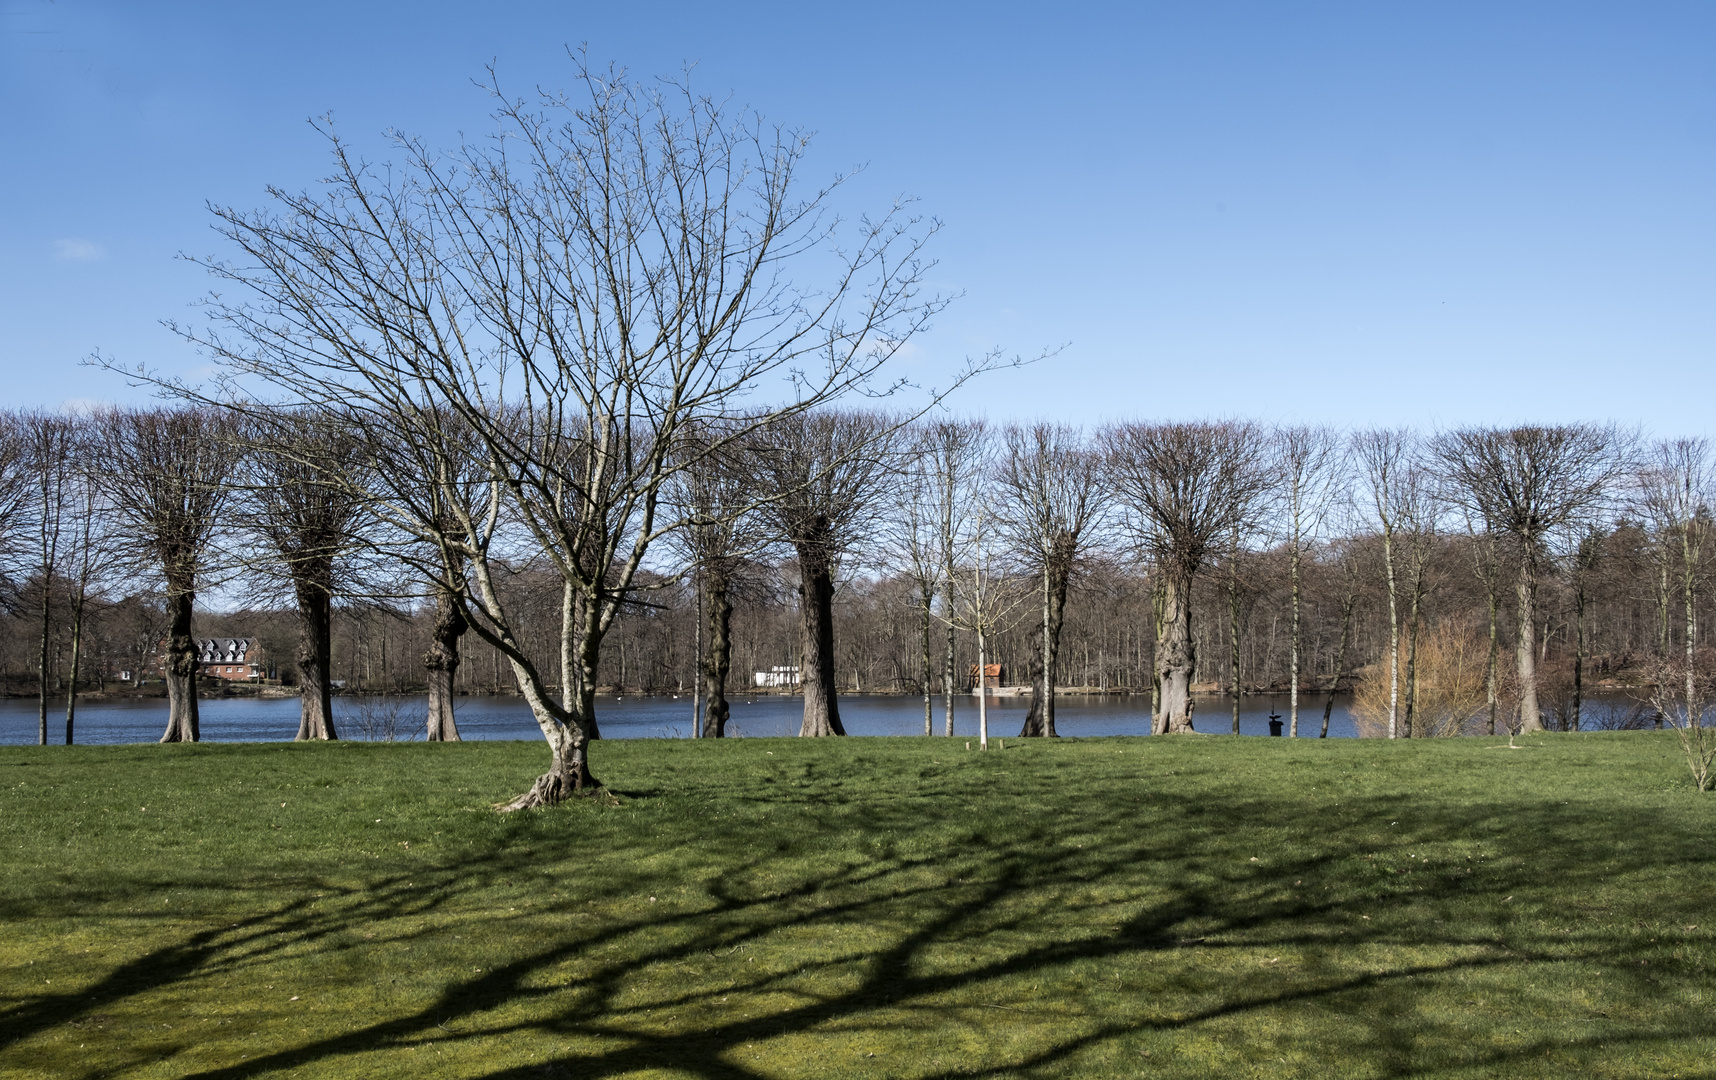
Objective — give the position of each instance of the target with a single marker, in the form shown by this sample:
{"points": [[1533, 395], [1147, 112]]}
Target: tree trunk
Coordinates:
{"points": [[1233, 632], [1530, 718], [315, 680], [1393, 637], [42, 660], [76, 656], [1340, 653], [928, 598], [442, 662], [816, 606], [1689, 585], [568, 774], [947, 662], [1175, 656], [1490, 674], [1040, 720], [1293, 648], [1411, 664], [1578, 652], [982, 692], [719, 659], [180, 668]]}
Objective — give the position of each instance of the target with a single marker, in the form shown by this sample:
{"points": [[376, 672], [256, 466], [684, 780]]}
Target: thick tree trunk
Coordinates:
{"points": [[1040, 720], [181, 669], [1530, 718], [718, 660], [442, 662], [1176, 656], [315, 680], [568, 774], [816, 606]]}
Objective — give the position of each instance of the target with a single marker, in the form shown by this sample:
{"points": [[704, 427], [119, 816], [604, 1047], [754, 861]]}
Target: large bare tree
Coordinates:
{"points": [[1051, 497], [170, 473], [1185, 488], [306, 501], [558, 305], [1531, 482], [821, 477]]}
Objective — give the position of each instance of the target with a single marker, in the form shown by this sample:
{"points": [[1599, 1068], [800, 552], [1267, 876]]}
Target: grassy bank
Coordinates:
{"points": [[853, 908]]}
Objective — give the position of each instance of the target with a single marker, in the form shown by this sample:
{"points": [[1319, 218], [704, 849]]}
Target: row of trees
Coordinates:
{"points": [[619, 343]]}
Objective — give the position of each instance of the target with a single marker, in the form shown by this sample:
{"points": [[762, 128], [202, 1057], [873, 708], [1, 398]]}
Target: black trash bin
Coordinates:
{"points": [[1274, 723]]}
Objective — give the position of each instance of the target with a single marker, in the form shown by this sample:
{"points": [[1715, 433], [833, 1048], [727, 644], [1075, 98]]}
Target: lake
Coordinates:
{"points": [[635, 717]]}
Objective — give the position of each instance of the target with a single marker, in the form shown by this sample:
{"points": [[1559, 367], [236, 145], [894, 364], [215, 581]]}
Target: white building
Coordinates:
{"points": [[778, 676]]}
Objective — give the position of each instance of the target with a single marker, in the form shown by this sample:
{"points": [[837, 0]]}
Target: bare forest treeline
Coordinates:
{"points": [[574, 409], [1609, 610]]}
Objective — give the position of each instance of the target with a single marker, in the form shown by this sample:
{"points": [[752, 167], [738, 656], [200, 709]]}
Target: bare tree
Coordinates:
{"points": [[1310, 467], [1683, 698], [914, 549], [1420, 513], [1386, 466], [14, 497], [306, 503], [985, 595], [1530, 482], [952, 454], [169, 472], [49, 441], [1051, 497], [89, 557], [1675, 491], [1184, 487], [822, 475], [716, 496], [1346, 554], [559, 306]]}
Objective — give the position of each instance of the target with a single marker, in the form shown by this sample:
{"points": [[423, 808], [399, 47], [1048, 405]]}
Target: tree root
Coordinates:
{"points": [[556, 786]]}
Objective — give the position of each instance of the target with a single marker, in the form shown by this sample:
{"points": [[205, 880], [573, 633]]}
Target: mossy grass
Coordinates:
{"points": [[1176, 907]]}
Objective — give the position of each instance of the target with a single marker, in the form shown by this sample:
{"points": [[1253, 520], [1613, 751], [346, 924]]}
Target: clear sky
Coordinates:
{"points": [[1361, 213]]}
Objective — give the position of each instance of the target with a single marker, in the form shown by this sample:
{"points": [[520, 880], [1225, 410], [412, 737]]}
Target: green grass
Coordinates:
{"points": [[1173, 907]]}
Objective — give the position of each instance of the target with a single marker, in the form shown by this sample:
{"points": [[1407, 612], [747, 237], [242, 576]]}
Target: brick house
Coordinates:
{"points": [[235, 659]]}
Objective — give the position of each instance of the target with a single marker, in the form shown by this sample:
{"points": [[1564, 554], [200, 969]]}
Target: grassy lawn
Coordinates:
{"points": [[1184, 907]]}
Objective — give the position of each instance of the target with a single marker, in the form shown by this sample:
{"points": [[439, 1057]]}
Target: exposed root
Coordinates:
{"points": [[556, 786]]}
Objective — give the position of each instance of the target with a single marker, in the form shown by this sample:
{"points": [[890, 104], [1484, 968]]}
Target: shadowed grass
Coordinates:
{"points": [[852, 908]]}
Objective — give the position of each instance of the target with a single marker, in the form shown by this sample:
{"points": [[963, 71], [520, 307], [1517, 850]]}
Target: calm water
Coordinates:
{"points": [[633, 717]]}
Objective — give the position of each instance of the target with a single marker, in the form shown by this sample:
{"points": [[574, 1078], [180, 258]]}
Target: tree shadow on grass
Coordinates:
{"points": [[876, 930]]}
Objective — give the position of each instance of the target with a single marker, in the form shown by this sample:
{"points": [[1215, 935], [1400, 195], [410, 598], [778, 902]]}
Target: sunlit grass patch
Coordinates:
{"points": [[879, 907]]}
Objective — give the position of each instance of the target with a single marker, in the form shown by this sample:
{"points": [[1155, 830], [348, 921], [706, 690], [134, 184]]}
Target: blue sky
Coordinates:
{"points": [[1355, 213]]}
